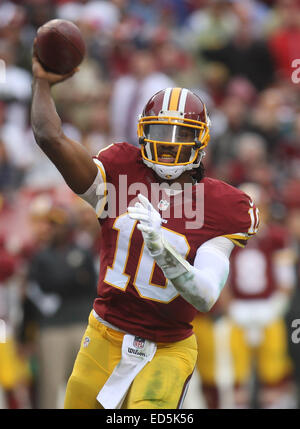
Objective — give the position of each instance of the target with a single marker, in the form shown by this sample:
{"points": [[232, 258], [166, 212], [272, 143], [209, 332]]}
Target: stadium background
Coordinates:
{"points": [[239, 56]]}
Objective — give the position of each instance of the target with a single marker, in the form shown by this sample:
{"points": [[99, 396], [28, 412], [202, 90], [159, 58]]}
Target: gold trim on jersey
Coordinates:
{"points": [[151, 276], [235, 238], [152, 271], [151, 283], [115, 254], [102, 171]]}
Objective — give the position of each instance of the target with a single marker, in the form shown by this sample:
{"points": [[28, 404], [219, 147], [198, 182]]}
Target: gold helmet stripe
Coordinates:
{"points": [[174, 99]]}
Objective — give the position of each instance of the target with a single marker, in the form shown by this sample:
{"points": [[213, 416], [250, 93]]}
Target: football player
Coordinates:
{"points": [[254, 338], [160, 261], [261, 282], [15, 376]]}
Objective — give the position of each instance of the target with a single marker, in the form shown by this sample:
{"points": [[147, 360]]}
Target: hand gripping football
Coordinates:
{"points": [[59, 46]]}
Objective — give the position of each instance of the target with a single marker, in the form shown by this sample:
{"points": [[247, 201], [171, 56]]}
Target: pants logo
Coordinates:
{"points": [[138, 342]]}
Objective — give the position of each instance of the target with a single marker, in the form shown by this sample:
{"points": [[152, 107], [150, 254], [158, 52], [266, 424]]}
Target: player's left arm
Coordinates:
{"points": [[199, 284]]}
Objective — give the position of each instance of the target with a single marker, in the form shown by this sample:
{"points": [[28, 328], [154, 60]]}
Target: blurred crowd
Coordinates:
{"points": [[237, 55]]}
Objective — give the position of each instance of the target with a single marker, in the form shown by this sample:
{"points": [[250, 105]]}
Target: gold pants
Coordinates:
{"points": [[13, 368], [159, 385], [271, 356]]}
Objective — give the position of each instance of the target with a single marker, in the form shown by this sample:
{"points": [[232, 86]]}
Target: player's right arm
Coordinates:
{"points": [[71, 159]]}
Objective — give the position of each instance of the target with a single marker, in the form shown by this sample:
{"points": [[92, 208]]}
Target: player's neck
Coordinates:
{"points": [[181, 180]]}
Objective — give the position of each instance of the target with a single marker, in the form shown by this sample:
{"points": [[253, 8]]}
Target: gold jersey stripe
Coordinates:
{"points": [[236, 236], [236, 242], [174, 99], [102, 171]]}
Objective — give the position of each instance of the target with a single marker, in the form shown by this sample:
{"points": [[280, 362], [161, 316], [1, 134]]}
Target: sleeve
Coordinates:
{"points": [[220, 245], [117, 159], [202, 283], [242, 219], [96, 195], [211, 267], [106, 157], [112, 161]]}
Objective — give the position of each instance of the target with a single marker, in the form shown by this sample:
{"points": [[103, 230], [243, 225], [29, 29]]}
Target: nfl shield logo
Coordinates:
{"points": [[138, 342], [162, 205], [86, 342]]}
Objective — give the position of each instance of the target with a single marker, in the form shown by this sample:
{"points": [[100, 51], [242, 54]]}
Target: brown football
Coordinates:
{"points": [[60, 46]]}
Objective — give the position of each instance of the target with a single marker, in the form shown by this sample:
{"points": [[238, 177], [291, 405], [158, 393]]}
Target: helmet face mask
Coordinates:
{"points": [[172, 140], [170, 144]]}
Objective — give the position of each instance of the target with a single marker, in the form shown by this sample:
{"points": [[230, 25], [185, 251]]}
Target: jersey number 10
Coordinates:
{"points": [[142, 281]]}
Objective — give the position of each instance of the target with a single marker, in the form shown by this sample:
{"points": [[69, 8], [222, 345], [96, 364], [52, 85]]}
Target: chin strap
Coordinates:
{"points": [[172, 172]]}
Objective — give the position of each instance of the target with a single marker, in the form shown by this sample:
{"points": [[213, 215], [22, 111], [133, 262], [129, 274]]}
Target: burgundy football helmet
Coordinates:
{"points": [[173, 129]]}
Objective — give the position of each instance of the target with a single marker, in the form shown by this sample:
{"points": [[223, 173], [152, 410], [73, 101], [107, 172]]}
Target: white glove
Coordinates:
{"points": [[149, 224], [167, 258]]}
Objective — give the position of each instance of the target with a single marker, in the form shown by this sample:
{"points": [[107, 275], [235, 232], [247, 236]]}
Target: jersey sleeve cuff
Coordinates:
{"points": [[97, 192], [239, 239]]}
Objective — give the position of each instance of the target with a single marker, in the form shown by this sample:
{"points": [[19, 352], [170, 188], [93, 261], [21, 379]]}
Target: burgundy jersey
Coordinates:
{"points": [[252, 274], [133, 293]]}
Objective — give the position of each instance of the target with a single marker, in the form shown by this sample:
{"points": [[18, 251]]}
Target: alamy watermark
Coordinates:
{"points": [[296, 332], [2, 71], [296, 72], [174, 202], [2, 331]]}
